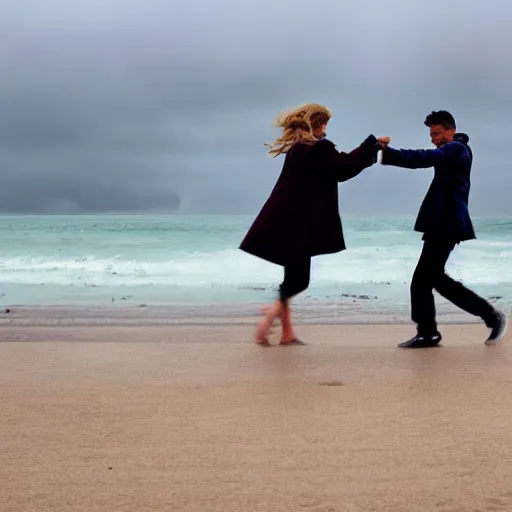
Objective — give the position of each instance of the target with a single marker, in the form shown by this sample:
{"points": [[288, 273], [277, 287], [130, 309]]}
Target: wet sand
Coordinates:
{"points": [[197, 418]]}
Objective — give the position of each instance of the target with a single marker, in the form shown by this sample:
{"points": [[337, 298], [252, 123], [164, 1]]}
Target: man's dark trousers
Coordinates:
{"points": [[430, 275]]}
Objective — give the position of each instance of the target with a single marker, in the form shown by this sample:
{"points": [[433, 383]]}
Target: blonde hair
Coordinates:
{"points": [[298, 125]]}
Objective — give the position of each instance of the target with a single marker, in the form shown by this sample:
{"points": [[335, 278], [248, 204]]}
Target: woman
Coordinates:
{"points": [[300, 219]]}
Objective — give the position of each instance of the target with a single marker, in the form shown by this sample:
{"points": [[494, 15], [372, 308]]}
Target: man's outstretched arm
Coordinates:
{"points": [[419, 158]]}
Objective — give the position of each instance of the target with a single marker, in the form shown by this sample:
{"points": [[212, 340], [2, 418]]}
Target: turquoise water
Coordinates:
{"points": [[174, 259]]}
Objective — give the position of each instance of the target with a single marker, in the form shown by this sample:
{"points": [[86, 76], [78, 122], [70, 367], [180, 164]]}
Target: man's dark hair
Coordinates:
{"points": [[442, 117]]}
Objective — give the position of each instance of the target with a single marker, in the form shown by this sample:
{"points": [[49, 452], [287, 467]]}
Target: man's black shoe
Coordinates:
{"points": [[498, 328], [421, 341]]}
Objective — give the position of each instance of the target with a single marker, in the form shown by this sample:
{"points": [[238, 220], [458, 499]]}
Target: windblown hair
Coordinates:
{"points": [[298, 126], [442, 117]]}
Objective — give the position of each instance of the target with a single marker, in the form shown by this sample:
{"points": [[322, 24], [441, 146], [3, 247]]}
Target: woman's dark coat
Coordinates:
{"points": [[301, 218]]}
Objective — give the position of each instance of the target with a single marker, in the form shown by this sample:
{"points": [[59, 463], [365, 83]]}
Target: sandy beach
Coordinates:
{"points": [[197, 418]]}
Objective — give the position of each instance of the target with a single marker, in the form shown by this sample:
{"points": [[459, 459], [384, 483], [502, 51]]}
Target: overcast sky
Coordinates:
{"points": [[134, 105]]}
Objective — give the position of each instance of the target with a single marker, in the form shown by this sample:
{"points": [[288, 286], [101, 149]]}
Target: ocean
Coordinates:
{"points": [[194, 261]]}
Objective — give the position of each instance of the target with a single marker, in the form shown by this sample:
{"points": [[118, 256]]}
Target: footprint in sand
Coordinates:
{"points": [[332, 383]]}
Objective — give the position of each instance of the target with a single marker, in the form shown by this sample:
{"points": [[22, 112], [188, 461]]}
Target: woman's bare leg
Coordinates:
{"points": [[288, 334], [296, 280], [270, 314]]}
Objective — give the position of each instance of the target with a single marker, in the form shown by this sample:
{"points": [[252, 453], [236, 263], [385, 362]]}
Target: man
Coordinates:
{"points": [[444, 221]]}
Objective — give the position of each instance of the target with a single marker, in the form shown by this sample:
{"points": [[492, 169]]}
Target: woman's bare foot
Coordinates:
{"points": [[294, 341], [263, 342], [263, 331]]}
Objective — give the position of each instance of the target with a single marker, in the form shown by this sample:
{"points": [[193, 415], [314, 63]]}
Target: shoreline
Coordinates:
{"points": [[217, 315]]}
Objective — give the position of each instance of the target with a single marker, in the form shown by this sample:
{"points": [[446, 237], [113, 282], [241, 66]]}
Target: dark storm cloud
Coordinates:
{"points": [[133, 105]]}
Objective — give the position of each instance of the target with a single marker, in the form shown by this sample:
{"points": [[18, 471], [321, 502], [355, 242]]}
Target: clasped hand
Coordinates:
{"points": [[383, 142]]}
